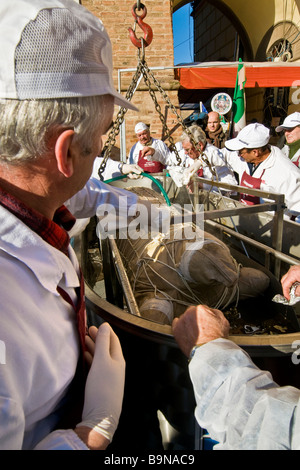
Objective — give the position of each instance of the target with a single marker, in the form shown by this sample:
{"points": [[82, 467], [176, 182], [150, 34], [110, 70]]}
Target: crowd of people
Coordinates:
{"points": [[62, 386], [247, 160]]}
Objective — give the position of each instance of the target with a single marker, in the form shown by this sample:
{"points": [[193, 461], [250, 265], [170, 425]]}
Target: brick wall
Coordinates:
{"points": [[117, 17]]}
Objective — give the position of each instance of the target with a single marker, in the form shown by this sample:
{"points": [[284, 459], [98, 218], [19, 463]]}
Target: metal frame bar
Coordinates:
{"points": [[124, 281], [276, 205]]}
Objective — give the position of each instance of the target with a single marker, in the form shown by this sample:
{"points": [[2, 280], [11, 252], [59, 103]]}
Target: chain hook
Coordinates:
{"points": [[148, 33]]}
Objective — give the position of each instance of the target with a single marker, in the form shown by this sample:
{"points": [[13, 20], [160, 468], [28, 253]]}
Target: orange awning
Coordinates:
{"points": [[223, 75]]}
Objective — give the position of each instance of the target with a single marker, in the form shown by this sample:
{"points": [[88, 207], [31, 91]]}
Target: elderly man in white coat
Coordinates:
{"points": [[152, 155], [264, 167], [291, 128], [200, 158], [56, 104]]}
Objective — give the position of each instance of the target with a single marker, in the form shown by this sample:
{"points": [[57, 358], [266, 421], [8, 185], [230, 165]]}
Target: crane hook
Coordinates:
{"points": [[148, 33]]}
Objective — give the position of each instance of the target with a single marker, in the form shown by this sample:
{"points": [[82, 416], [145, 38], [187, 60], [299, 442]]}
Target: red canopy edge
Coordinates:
{"points": [[223, 75]]}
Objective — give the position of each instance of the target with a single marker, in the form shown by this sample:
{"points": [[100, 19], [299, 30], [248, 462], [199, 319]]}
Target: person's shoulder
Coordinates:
{"points": [[160, 145], [281, 157], [133, 146], [158, 141], [214, 151], [212, 148], [277, 151], [283, 164]]}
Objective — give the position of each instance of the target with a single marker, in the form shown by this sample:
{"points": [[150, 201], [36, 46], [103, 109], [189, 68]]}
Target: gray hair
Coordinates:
{"points": [[27, 126], [194, 133]]}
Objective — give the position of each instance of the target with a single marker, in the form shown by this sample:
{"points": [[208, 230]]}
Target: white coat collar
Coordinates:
{"points": [[50, 266]]}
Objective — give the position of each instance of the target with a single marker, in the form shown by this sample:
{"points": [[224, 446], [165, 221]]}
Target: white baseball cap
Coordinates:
{"points": [[141, 126], [291, 121], [54, 49], [252, 136]]}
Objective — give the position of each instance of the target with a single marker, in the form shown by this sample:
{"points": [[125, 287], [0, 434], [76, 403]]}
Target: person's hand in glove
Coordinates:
{"points": [[104, 388], [147, 152], [133, 171], [191, 170]]}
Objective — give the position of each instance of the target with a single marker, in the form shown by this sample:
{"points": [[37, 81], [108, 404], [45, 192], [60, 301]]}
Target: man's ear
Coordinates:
{"points": [[63, 154], [200, 146]]}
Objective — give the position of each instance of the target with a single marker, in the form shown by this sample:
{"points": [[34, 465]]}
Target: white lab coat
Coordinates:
{"points": [[84, 203], [215, 158], [241, 406], [112, 168], [279, 176], [286, 150], [38, 328]]}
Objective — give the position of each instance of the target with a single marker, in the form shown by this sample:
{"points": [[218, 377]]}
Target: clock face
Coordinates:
{"points": [[221, 103]]}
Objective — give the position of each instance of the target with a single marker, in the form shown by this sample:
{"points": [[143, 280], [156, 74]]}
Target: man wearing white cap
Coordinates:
{"points": [[56, 101], [291, 128], [264, 167], [152, 155]]}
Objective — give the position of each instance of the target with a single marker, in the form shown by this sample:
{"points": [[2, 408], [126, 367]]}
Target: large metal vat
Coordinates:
{"points": [[157, 375]]}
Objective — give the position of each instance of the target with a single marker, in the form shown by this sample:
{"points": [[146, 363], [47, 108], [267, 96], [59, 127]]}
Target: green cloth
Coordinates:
{"points": [[238, 102], [294, 147]]}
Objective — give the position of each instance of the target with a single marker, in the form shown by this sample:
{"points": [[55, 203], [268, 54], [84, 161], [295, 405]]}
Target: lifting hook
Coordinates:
{"points": [[148, 34]]}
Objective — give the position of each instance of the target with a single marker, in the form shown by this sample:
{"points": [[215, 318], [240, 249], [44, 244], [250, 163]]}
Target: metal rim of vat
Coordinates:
{"points": [[255, 345]]}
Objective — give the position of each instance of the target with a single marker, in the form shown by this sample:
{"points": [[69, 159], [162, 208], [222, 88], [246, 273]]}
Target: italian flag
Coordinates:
{"points": [[239, 100]]}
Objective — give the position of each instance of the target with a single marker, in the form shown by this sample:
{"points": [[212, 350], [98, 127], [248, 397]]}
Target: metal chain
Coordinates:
{"points": [[147, 73], [166, 131], [167, 99], [111, 140], [143, 69]]}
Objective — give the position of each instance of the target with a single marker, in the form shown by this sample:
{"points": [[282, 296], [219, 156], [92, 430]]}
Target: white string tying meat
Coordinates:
{"points": [[169, 273]]}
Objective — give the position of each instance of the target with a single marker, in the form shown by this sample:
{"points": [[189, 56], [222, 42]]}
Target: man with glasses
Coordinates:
{"points": [[262, 166]]}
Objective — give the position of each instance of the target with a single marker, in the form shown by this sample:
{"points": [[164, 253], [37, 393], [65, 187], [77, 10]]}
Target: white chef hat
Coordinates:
{"points": [[141, 126], [54, 49]]}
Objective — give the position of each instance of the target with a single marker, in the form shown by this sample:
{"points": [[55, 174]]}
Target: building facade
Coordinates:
{"points": [[224, 30], [256, 31]]}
